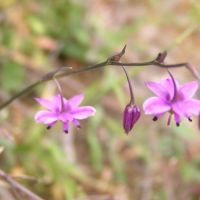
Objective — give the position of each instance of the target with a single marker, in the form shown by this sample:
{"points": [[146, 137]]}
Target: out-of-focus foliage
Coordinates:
{"points": [[98, 161]]}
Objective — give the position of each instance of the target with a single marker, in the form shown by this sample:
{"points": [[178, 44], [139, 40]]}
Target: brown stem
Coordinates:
{"points": [[132, 100], [174, 85], [61, 94], [18, 189], [114, 60]]}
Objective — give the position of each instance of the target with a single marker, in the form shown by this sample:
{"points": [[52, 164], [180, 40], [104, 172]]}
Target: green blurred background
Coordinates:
{"points": [[97, 162]]}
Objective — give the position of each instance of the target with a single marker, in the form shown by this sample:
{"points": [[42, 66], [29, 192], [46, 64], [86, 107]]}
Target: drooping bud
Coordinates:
{"points": [[131, 112], [131, 116]]}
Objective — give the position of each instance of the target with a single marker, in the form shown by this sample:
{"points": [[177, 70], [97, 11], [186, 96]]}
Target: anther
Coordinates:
{"points": [[155, 119], [189, 119]]}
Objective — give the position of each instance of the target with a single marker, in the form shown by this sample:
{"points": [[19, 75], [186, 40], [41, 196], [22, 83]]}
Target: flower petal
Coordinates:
{"points": [[83, 112], [54, 104], [192, 107], [155, 106], [169, 86], [45, 103], [158, 89], [65, 116], [187, 108], [75, 101], [45, 117], [57, 102], [179, 108], [188, 90]]}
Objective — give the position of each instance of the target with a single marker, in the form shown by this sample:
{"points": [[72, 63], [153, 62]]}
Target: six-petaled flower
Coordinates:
{"points": [[63, 110], [173, 99]]}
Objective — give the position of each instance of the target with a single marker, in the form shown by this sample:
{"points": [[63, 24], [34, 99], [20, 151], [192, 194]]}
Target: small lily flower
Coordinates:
{"points": [[131, 111], [173, 99], [61, 109]]}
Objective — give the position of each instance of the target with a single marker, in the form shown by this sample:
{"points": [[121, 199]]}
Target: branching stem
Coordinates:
{"points": [[66, 71]]}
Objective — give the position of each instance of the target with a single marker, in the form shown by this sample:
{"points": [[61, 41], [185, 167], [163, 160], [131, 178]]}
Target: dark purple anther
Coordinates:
{"points": [[131, 116]]}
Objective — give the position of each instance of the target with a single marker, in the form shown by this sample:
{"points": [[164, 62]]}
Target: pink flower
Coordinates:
{"points": [[61, 109], [172, 98]]}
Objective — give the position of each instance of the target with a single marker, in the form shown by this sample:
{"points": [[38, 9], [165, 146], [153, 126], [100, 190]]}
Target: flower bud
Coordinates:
{"points": [[131, 116]]}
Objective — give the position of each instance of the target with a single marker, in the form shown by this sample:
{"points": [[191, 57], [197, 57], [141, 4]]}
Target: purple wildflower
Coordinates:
{"points": [[61, 109], [172, 98]]}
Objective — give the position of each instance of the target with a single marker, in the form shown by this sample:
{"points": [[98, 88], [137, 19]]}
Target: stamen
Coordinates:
{"points": [[155, 118], [189, 119], [66, 131], [177, 124], [169, 119], [48, 127]]}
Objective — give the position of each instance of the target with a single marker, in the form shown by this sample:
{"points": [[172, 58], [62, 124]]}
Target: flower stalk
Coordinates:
{"points": [[62, 72], [131, 111]]}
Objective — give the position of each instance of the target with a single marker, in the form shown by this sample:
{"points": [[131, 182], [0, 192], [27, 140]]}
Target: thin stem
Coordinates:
{"points": [[174, 85], [60, 92], [19, 189], [132, 100], [65, 72], [20, 94]]}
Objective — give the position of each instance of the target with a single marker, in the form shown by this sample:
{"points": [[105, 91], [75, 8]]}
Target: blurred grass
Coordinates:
{"points": [[154, 161]]}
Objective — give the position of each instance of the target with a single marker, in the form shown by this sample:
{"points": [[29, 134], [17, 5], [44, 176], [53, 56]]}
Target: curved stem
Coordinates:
{"points": [[174, 85], [132, 100], [61, 93], [63, 72], [20, 94]]}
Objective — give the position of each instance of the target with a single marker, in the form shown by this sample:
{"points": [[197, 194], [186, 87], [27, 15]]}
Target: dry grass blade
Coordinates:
{"points": [[18, 191]]}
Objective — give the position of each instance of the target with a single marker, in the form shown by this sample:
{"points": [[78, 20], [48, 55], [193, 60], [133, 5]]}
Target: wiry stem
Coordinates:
{"points": [[61, 94], [19, 191], [174, 85], [158, 61], [132, 100]]}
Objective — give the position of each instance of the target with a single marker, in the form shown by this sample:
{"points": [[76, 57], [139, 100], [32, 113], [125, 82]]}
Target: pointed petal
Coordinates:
{"points": [[187, 108], [192, 107], [76, 100], [45, 103], [54, 104], [188, 90], [45, 117], [57, 102], [169, 86], [155, 106], [179, 108], [83, 112], [158, 89]]}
